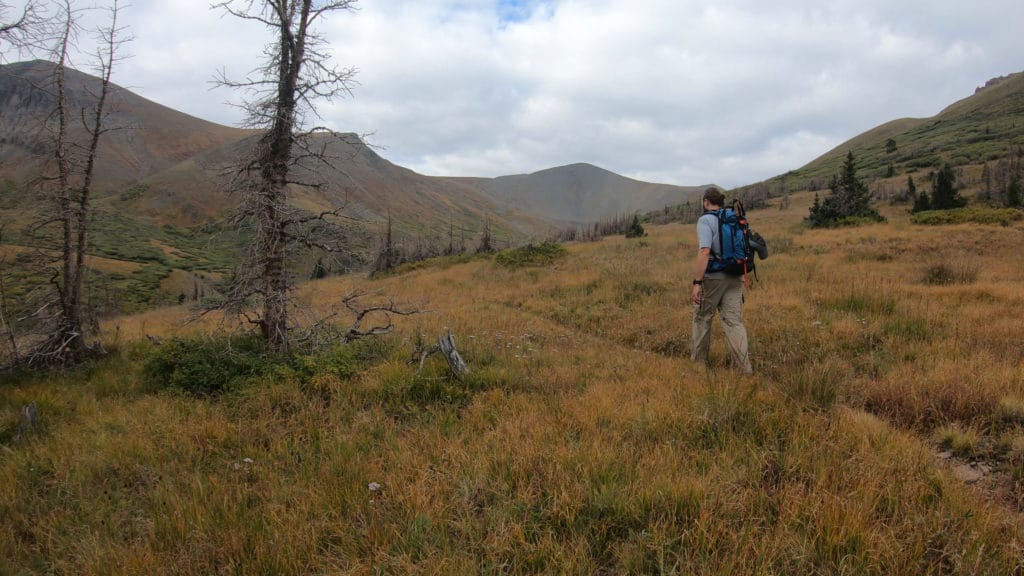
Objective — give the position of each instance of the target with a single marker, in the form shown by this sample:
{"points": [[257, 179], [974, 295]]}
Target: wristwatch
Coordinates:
{"points": [[698, 282]]}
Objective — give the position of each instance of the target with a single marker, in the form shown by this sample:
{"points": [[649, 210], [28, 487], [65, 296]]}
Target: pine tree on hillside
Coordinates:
{"points": [[1014, 192], [850, 199], [636, 230], [922, 201], [945, 194]]}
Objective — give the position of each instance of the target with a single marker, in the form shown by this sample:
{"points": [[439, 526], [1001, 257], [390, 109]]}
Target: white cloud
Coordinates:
{"points": [[677, 91]]}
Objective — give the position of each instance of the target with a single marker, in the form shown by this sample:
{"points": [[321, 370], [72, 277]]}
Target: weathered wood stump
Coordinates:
{"points": [[29, 419], [446, 346]]}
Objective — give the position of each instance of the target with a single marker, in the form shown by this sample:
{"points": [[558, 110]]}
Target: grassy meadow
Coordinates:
{"points": [[888, 363]]}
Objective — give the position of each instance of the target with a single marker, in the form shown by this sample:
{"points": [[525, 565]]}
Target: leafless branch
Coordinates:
{"points": [[27, 32], [360, 312]]}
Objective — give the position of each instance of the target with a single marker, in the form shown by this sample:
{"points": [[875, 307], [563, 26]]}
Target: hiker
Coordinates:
{"points": [[716, 291]]}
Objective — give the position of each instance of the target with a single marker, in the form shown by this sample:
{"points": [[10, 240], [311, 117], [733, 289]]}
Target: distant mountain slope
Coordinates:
{"points": [[167, 167], [369, 188], [981, 128], [153, 137], [580, 193]]}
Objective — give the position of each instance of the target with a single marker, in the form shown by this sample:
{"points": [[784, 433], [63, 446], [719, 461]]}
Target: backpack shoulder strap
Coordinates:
{"points": [[719, 216]]}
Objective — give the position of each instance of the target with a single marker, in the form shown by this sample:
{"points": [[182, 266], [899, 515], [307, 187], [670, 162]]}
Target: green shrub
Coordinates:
{"points": [[440, 262], [636, 230], [965, 215], [133, 192], [344, 360], [531, 255], [205, 366]]}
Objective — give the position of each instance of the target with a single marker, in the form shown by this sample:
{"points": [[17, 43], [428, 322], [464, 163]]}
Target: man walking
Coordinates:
{"points": [[716, 291]]}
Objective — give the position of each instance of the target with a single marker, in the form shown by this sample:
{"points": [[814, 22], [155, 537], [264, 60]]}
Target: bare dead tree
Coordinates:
{"points": [[65, 332], [486, 244], [296, 72], [387, 254]]}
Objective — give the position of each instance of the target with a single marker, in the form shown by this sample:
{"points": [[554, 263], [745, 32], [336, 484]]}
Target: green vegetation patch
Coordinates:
{"points": [[214, 365], [531, 255], [860, 304], [8, 195], [440, 263], [977, 215], [205, 366]]}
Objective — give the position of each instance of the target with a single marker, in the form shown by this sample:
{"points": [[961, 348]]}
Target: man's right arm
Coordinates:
{"points": [[699, 266]]}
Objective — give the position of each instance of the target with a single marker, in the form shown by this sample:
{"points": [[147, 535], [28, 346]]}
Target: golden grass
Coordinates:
{"points": [[583, 442]]}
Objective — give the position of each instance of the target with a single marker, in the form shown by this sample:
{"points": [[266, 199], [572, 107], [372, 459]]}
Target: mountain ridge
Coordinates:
{"points": [[589, 192], [168, 154], [983, 127], [143, 135]]}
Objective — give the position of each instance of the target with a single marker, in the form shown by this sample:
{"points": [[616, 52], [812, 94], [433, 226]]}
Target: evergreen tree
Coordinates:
{"points": [[319, 270], [921, 203], [945, 194], [636, 230], [1014, 193], [850, 198]]}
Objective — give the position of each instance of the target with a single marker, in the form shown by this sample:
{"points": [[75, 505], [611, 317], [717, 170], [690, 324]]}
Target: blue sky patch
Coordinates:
{"points": [[510, 11]]}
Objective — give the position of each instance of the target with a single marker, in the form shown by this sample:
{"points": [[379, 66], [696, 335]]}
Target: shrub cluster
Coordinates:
{"points": [[212, 366], [531, 255], [205, 366], [965, 215]]}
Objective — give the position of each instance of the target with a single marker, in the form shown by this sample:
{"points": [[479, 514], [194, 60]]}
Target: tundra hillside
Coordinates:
{"points": [[882, 434]]}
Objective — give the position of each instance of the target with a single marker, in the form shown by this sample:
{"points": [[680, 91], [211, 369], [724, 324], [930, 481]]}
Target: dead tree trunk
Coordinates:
{"points": [[96, 129], [295, 73], [69, 327], [66, 330]]}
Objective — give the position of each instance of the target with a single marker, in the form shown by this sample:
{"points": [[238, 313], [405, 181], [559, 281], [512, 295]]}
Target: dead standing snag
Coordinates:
{"points": [[296, 72]]}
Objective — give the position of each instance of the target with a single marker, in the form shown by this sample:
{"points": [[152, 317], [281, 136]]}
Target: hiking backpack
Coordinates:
{"points": [[737, 257]]}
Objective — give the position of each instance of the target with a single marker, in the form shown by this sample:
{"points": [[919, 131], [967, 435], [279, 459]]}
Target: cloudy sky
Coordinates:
{"points": [[675, 91]]}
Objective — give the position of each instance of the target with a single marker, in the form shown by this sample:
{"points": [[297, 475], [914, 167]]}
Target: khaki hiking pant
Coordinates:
{"points": [[726, 296]]}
